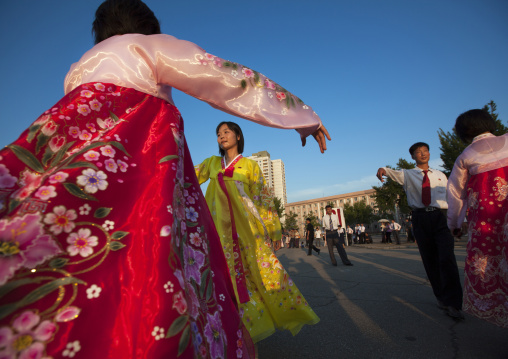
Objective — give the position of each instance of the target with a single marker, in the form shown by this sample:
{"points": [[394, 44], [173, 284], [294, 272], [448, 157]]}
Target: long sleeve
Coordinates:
{"points": [[264, 203], [397, 176], [203, 170], [457, 194], [156, 63]]}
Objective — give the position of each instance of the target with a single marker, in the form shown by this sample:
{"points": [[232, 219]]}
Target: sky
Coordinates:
{"points": [[382, 75]]}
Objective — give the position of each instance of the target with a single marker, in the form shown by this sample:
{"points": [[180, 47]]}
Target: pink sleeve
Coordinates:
{"points": [[457, 194], [228, 86]]}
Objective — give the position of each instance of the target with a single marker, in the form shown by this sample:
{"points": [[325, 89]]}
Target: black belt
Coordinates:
{"points": [[428, 209]]}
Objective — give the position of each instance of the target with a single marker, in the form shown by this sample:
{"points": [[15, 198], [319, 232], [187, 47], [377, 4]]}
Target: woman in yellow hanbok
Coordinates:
{"points": [[243, 210]]}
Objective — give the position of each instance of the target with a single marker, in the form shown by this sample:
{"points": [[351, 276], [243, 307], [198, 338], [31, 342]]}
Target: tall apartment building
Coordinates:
{"points": [[274, 173], [317, 206]]}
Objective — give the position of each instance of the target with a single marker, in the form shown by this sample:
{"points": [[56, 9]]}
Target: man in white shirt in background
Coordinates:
{"points": [[349, 233], [330, 223], [426, 195], [317, 237], [395, 231]]}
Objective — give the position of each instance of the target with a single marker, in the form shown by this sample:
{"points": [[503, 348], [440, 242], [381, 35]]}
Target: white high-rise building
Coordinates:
{"points": [[274, 173]]}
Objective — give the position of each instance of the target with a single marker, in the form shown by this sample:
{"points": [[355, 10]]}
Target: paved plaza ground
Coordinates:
{"points": [[382, 307]]}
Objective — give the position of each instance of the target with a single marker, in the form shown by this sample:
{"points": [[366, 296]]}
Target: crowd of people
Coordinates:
{"points": [[104, 224]]}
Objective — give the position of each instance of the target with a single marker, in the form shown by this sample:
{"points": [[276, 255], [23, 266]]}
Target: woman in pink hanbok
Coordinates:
{"points": [[107, 247], [478, 186]]}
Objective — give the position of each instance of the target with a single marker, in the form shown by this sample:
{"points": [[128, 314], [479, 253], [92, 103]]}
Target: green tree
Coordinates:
{"points": [[390, 194], [279, 207], [359, 212], [452, 146], [290, 222], [314, 219]]}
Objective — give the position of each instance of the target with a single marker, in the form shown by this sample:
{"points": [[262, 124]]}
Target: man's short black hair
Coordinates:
{"points": [[328, 206], [308, 219], [473, 123], [417, 145]]}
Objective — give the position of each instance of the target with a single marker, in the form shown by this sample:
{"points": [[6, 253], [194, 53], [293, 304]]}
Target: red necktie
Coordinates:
{"points": [[426, 189]]}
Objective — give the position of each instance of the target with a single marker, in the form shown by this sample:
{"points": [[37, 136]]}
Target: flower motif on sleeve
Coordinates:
{"points": [[269, 84], [92, 180], [280, 96], [81, 242], [56, 142], [99, 86], [501, 189], [71, 349], [95, 105], [6, 180], [191, 214], [61, 220], [214, 335], [27, 336], [122, 166], [110, 165], [58, 177], [46, 192], [108, 151], [74, 131], [84, 110], [49, 128], [194, 261], [248, 73], [92, 155], [86, 93], [179, 303], [93, 292], [85, 135]]}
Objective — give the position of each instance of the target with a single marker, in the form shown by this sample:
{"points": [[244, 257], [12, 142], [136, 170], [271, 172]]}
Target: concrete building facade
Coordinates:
{"points": [[317, 206], [274, 173]]}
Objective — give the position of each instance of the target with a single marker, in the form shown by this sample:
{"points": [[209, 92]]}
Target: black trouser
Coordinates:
{"points": [[436, 245], [332, 239], [312, 246], [396, 236], [350, 238], [388, 237]]}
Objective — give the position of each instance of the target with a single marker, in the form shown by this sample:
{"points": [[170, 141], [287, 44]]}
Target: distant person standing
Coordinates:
{"points": [[388, 233], [426, 195], [395, 231], [349, 233], [409, 230], [330, 223], [357, 233], [310, 237], [317, 236], [362, 233]]}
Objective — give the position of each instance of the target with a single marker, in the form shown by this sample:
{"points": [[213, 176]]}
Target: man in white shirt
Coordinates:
{"points": [[395, 231], [330, 223], [362, 233], [426, 195], [349, 232], [317, 235]]}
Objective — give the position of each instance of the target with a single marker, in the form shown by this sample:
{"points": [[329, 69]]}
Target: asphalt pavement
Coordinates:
{"points": [[382, 307]]}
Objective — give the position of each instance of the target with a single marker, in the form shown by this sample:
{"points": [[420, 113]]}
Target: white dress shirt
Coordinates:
{"points": [[325, 221], [396, 226], [411, 180]]}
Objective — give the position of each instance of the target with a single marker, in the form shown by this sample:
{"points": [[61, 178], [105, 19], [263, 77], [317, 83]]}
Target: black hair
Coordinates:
{"points": [[473, 123], [237, 130], [328, 206], [308, 219], [417, 145], [118, 17]]}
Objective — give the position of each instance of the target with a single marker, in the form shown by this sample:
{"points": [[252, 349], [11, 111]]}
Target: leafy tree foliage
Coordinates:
{"points": [[359, 212], [290, 222], [452, 146], [315, 220], [390, 193], [279, 207]]}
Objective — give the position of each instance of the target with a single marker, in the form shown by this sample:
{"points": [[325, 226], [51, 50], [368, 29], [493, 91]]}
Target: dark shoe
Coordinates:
{"points": [[309, 254], [334, 264], [348, 264], [319, 251], [455, 313]]}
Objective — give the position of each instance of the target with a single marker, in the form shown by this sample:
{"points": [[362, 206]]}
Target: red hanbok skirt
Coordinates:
{"points": [[486, 268], [107, 246]]}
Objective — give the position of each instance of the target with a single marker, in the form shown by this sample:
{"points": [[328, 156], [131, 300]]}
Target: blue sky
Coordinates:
{"points": [[380, 74]]}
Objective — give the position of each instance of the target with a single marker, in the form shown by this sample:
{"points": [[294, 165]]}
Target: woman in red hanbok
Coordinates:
{"points": [[106, 241], [478, 186]]}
